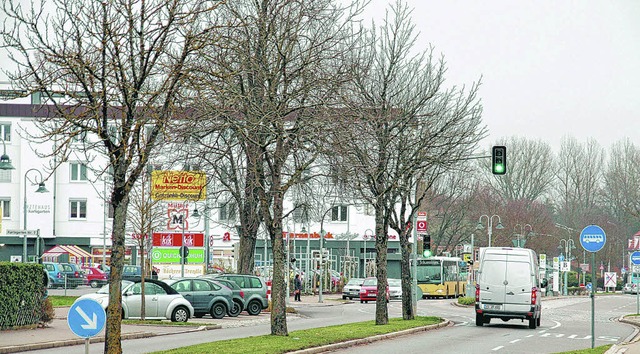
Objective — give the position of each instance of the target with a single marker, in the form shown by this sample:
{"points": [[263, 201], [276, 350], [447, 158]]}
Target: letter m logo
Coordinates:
{"points": [[177, 220]]}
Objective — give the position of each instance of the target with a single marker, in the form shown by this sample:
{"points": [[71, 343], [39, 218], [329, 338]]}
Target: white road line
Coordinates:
{"points": [[558, 324], [498, 348], [515, 341], [529, 336]]}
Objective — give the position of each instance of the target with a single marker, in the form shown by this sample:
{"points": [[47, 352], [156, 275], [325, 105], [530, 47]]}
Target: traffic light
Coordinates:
{"points": [[499, 160], [426, 245]]}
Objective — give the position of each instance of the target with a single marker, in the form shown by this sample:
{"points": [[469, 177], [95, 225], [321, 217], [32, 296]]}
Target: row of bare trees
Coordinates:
{"points": [[274, 98]]}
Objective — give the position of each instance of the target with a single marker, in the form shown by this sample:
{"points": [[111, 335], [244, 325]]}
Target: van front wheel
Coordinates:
{"points": [[479, 319]]}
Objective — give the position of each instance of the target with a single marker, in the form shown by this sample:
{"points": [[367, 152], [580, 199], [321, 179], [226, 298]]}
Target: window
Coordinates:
{"points": [[300, 213], [5, 204], [5, 132], [78, 171], [111, 211], [79, 136], [227, 211], [339, 213], [78, 209]]}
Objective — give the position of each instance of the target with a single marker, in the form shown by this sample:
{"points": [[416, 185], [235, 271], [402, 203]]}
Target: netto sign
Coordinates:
{"points": [[178, 185]]}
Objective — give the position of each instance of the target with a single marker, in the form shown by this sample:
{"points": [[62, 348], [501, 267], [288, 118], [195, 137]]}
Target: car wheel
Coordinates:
{"points": [[361, 301], [532, 323], [180, 314], [479, 319], [538, 320], [218, 310], [254, 308], [94, 284], [344, 297], [235, 310]]}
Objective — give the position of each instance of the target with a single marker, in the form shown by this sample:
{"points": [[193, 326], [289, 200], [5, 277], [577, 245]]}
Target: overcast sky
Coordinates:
{"points": [[549, 68]]}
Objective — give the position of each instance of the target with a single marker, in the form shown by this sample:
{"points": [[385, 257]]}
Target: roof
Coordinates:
{"points": [[67, 249]]}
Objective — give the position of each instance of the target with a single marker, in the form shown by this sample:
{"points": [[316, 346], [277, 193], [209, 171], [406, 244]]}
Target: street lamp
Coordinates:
{"points": [[5, 161], [568, 246], [522, 229], [41, 189], [490, 226], [183, 248]]}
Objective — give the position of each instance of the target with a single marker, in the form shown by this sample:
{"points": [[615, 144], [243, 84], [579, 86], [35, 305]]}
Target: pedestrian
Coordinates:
{"points": [[297, 288]]}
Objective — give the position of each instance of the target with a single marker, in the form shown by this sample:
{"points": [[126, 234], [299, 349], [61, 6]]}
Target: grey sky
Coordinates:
{"points": [[549, 68]]}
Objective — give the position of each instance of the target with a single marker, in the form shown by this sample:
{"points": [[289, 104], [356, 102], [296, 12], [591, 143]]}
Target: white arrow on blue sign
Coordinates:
{"points": [[593, 238], [635, 258], [86, 318]]}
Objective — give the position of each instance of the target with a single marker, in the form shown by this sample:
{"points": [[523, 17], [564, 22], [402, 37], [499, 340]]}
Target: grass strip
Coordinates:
{"points": [[308, 338], [597, 350], [62, 301]]}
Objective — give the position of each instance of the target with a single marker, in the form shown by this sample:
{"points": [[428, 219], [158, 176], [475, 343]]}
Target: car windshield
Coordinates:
{"points": [[105, 289], [355, 281], [370, 282]]}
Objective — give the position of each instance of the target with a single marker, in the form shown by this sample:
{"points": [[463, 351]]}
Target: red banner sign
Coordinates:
{"points": [[169, 239]]}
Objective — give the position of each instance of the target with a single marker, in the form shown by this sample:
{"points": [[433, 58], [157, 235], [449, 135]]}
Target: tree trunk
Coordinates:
{"points": [[250, 215], [382, 312], [120, 200], [405, 274], [278, 288]]}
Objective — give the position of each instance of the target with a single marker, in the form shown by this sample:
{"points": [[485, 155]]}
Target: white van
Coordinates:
{"points": [[507, 286]]}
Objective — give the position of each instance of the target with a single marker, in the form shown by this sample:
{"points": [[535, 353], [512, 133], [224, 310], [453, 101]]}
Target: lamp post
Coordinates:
{"points": [[490, 225], [41, 189], [568, 245], [322, 233], [522, 229], [183, 248]]}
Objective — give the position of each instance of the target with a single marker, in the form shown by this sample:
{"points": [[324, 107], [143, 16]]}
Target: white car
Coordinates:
{"points": [[352, 288], [161, 301], [395, 288]]}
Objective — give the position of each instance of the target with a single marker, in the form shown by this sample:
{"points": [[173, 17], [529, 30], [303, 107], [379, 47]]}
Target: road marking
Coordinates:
{"points": [[529, 336], [572, 336], [559, 335], [498, 348], [515, 341], [558, 324], [461, 324]]}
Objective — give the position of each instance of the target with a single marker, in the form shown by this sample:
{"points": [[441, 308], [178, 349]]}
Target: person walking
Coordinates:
{"points": [[297, 288]]}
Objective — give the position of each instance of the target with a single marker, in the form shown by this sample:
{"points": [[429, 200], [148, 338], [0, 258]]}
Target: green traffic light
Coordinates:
{"points": [[426, 253], [498, 168]]}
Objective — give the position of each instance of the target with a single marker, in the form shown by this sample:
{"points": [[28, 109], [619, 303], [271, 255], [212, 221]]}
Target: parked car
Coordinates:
{"points": [[237, 293], [75, 274], [255, 291], [369, 290], [352, 288], [205, 296], [395, 289], [133, 272], [95, 277], [161, 301], [629, 288]]}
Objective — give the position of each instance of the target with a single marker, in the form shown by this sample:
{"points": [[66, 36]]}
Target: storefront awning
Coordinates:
{"points": [[71, 250]]}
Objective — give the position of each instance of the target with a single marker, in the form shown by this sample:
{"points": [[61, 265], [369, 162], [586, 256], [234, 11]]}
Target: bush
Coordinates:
{"points": [[465, 300], [48, 313]]}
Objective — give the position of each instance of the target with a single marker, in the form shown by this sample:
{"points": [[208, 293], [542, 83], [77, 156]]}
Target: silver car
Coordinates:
{"points": [[161, 301], [352, 288], [395, 288]]}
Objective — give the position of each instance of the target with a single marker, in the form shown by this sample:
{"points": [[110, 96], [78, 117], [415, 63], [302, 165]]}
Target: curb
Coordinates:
{"points": [[635, 337], [354, 342], [79, 341]]}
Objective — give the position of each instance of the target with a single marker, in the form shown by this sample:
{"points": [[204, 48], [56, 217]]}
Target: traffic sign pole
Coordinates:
{"points": [[593, 239]]}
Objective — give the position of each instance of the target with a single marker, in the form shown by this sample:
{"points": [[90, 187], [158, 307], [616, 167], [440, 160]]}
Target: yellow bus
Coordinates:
{"points": [[444, 277]]}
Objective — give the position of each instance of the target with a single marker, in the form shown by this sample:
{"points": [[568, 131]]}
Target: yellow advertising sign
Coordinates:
{"points": [[178, 185]]}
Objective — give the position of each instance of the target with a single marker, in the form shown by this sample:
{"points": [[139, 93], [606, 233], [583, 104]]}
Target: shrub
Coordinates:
{"points": [[465, 300]]}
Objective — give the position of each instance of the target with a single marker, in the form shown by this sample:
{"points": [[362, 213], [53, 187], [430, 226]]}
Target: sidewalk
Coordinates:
{"points": [[58, 334], [631, 347]]}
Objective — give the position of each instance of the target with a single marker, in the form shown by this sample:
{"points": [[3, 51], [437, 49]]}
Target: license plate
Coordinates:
{"points": [[492, 307]]}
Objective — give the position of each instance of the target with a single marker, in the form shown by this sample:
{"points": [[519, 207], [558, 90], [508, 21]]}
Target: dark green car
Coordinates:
{"points": [[205, 296], [238, 295], [254, 288]]}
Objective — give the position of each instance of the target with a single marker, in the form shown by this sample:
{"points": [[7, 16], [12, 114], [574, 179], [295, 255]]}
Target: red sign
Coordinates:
{"points": [[169, 239], [421, 226]]}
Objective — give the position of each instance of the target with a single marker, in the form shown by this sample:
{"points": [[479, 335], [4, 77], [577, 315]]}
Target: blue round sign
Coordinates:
{"points": [[635, 258], [86, 318], [593, 238]]}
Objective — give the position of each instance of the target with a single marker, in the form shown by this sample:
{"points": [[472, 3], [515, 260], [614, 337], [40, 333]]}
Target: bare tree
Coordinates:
{"points": [[578, 177], [529, 165], [405, 130], [278, 64], [112, 70]]}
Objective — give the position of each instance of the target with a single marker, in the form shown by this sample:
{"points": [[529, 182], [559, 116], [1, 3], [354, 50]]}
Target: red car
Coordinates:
{"points": [[95, 277], [369, 290]]}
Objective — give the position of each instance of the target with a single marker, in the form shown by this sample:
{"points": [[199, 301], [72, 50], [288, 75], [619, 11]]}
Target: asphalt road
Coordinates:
{"points": [[566, 325]]}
